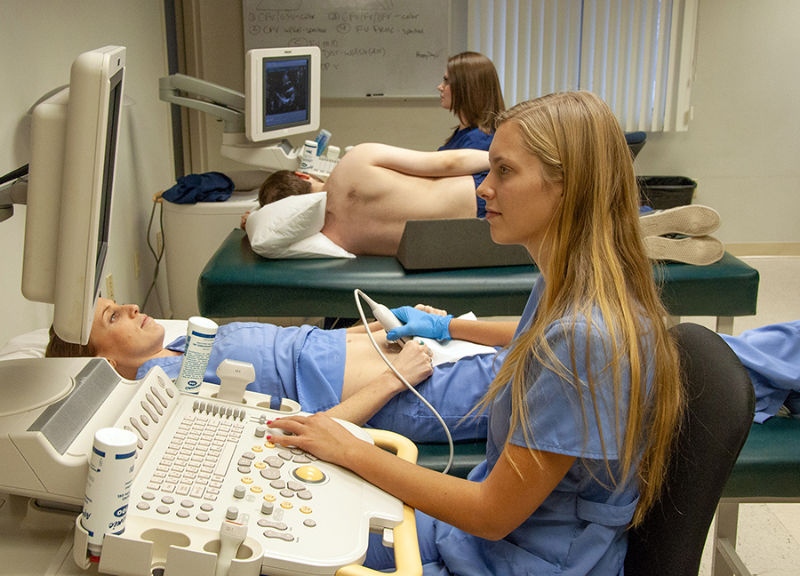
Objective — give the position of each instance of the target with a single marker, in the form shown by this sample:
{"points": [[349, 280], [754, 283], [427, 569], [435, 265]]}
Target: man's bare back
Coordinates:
{"points": [[376, 188]]}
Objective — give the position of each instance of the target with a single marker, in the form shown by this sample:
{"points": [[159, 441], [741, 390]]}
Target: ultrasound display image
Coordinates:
{"points": [[286, 93]]}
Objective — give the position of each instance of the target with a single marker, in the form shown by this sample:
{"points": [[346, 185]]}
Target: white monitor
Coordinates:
{"points": [[74, 138], [282, 92]]}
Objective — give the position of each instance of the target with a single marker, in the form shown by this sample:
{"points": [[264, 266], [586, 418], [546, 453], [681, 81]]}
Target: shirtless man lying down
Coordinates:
{"points": [[376, 188]]}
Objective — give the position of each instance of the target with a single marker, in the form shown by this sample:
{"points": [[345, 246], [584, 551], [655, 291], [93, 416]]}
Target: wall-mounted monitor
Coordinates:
{"points": [[282, 92], [74, 137]]}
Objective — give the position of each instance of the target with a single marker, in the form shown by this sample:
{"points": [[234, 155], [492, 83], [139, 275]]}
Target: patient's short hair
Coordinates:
{"points": [[280, 185], [58, 348]]}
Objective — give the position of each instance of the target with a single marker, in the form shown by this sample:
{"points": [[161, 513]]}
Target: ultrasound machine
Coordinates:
{"points": [[281, 99], [210, 494]]}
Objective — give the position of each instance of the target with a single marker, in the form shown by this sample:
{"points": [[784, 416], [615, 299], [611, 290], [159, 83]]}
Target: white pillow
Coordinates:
{"points": [[290, 228], [29, 345], [173, 329], [316, 246]]}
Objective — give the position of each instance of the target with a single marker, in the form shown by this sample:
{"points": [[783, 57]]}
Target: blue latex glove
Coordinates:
{"points": [[419, 323]]}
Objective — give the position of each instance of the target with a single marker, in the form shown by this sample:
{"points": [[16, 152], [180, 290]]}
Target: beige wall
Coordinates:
{"points": [[743, 144], [38, 42]]}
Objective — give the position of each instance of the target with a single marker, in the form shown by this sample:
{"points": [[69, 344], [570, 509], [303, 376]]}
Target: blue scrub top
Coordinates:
{"points": [[475, 138], [580, 528], [771, 355], [470, 137], [302, 363]]}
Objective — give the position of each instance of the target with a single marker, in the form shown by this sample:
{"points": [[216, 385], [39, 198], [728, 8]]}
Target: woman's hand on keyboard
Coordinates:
{"points": [[318, 434]]}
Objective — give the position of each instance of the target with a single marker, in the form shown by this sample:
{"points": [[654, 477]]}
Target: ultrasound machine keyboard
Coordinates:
{"points": [[206, 461]]}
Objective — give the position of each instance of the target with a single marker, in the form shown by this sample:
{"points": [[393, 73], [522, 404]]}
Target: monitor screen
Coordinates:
{"points": [[282, 92], [109, 161], [74, 137]]}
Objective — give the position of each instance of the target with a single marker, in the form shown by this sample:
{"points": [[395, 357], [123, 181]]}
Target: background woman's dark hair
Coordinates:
{"points": [[477, 97], [280, 185], [58, 348]]}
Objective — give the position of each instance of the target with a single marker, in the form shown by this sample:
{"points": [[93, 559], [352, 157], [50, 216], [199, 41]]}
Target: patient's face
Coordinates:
{"points": [[121, 333]]}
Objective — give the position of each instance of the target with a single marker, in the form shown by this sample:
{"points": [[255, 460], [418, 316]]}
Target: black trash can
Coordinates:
{"points": [[661, 192]]}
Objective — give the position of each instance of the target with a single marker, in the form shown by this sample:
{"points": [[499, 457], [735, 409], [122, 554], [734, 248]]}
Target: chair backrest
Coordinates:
{"points": [[636, 141], [719, 414]]}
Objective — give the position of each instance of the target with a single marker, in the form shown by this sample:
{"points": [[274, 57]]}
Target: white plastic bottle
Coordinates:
{"points": [[108, 485], [309, 155], [200, 336], [333, 152]]}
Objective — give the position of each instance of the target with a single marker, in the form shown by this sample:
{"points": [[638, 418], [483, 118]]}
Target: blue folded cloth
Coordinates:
{"points": [[206, 187]]}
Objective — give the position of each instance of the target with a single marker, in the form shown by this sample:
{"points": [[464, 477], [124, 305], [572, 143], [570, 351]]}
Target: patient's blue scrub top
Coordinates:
{"points": [[306, 364], [580, 528], [280, 357], [771, 355], [475, 138]]}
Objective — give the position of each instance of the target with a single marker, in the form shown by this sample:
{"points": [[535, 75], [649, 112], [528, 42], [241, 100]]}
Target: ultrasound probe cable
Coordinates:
{"points": [[358, 293]]}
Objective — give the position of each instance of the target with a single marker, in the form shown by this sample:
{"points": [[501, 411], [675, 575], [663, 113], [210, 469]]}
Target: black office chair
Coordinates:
{"points": [[636, 141], [720, 411]]}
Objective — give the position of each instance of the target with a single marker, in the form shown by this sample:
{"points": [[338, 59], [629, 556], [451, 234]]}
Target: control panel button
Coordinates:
{"points": [[270, 474], [310, 474], [279, 535]]}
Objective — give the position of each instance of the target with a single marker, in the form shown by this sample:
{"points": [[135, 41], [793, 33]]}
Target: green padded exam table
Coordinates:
{"points": [[236, 282]]}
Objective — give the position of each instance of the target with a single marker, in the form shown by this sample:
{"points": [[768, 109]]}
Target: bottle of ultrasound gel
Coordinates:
{"points": [[200, 334], [310, 148], [108, 485]]}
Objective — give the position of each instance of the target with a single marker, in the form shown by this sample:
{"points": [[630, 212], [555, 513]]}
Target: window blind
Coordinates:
{"points": [[638, 55]]}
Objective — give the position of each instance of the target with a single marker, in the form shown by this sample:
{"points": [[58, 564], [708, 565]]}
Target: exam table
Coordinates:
{"points": [[236, 282]]}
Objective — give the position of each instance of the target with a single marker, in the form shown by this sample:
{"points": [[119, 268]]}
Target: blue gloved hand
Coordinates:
{"points": [[419, 323]]}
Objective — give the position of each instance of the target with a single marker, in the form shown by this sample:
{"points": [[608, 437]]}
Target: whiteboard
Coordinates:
{"points": [[390, 48]]}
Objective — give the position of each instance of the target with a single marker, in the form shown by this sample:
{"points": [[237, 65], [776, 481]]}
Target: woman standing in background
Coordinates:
{"points": [[471, 90]]}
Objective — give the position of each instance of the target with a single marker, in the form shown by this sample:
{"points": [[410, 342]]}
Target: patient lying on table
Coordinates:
{"points": [[376, 188], [337, 371]]}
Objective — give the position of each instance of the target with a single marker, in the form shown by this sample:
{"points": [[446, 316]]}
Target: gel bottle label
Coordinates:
{"points": [[199, 342]]}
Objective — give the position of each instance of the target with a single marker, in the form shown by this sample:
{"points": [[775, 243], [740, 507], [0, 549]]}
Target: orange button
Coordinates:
{"points": [[309, 474]]}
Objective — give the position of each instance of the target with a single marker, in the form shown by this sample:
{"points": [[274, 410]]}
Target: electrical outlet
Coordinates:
{"points": [[137, 267], [109, 287]]}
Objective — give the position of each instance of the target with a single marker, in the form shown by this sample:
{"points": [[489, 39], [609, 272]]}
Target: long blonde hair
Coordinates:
{"points": [[597, 264]]}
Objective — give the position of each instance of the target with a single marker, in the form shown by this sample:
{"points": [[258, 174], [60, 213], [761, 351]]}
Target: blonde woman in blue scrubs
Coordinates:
{"points": [[584, 409]]}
